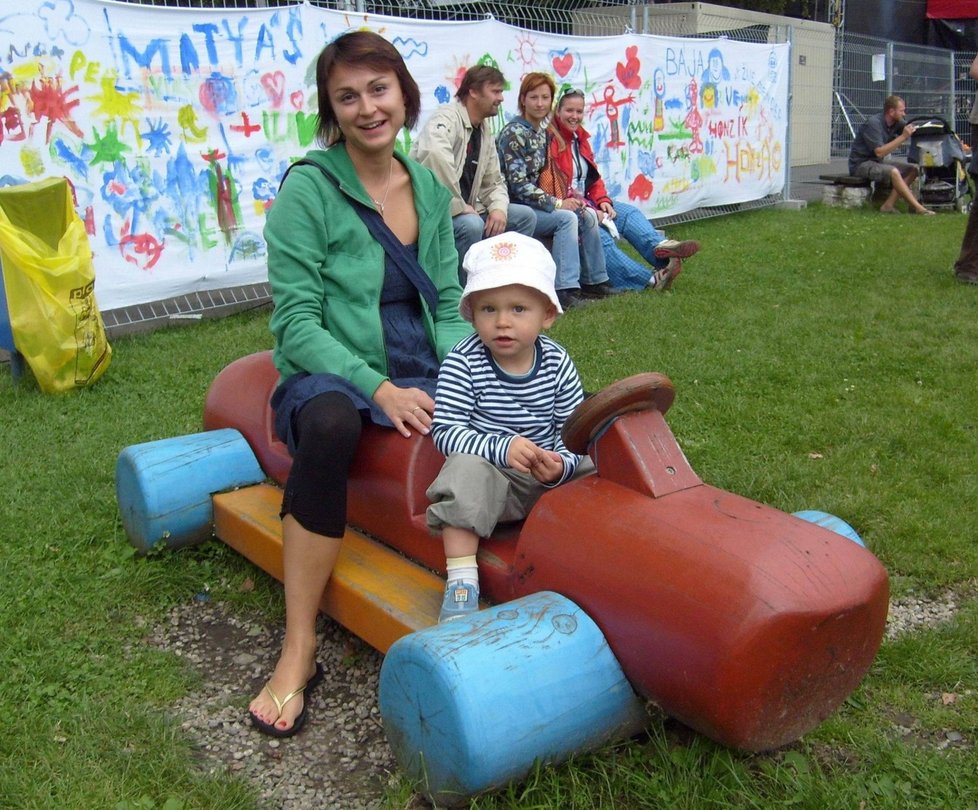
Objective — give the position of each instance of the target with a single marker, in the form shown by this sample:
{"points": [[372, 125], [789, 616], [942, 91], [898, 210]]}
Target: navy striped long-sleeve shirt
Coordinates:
{"points": [[480, 409]]}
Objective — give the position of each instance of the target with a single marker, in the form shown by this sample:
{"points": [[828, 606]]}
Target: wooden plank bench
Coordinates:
{"points": [[846, 180]]}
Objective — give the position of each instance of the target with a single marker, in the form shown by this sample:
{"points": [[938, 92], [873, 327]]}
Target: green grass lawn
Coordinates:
{"points": [[822, 359]]}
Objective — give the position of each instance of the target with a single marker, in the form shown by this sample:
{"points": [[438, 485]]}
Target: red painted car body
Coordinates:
{"points": [[744, 622]]}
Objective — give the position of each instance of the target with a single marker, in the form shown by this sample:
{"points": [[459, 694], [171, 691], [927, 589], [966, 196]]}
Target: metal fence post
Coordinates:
{"points": [[888, 84], [790, 38], [952, 99]]}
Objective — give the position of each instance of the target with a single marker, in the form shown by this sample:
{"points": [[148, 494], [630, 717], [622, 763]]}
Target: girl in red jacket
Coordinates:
{"points": [[570, 148]]}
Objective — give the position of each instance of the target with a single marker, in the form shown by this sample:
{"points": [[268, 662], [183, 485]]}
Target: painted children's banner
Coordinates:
{"points": [[175, 126]]}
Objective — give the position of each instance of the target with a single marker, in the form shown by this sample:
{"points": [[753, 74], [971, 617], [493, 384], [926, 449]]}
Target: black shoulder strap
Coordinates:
{"points": [[392, 246]]}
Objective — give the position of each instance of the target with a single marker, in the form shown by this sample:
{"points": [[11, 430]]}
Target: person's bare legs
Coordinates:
{"points": [[459, 542], [308, 561], [901, 188]]}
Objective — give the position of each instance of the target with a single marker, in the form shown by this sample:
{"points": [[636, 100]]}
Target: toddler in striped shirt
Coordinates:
{"points": [[503, 396]]}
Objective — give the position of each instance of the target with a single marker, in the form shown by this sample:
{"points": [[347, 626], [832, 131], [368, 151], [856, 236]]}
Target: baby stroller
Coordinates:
{"points": [[944, 181]]}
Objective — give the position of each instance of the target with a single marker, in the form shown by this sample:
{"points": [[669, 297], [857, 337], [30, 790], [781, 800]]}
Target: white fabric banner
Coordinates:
{"points": [[175, 125]]}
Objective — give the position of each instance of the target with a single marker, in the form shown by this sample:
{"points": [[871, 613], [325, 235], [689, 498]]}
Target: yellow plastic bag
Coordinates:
{"points": [[50, 285]]}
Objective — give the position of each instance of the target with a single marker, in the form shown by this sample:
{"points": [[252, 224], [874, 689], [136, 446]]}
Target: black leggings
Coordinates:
{"points": [[326, 430]]}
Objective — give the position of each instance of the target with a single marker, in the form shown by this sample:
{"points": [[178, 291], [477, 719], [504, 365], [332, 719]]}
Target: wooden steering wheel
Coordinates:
{"points": [[640, 392]]}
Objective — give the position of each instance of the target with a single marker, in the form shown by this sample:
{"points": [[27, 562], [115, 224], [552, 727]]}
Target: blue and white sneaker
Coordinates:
{"points": [[461, 600]]}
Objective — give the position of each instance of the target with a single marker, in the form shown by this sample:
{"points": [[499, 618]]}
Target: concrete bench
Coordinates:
{"points": [[845, 191]]}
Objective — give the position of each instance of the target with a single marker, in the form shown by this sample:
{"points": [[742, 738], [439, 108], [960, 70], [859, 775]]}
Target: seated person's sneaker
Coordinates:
{"points": [[671, 249], [461, 599], [662, 279], [570, 298], [602, 290]]}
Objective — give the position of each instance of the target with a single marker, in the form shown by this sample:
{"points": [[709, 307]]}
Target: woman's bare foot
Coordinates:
{"points": [[293, 671], [888, 209]]}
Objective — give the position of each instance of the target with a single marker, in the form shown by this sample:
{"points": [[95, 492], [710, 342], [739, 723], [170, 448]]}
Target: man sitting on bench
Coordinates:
{"points": [[878, 137]]}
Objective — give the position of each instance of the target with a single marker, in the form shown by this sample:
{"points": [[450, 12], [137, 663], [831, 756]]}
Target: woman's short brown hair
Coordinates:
{"points": [[531, 81], [361, 49]]}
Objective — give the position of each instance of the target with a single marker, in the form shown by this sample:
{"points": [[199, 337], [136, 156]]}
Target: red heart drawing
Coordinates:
{"points": [[563, 64], [297, 99], [640, 189], [274, 84], [628, 73]]}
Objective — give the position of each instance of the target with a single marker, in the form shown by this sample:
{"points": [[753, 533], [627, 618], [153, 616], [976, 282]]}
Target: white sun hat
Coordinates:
{"points": [[508, 258]]}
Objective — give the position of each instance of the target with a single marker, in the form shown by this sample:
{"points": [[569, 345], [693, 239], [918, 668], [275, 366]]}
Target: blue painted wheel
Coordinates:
{"points": [[164, 487], [827, 521], [470, 705]]}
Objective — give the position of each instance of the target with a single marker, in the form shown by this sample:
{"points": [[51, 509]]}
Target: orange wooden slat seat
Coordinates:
{"points": [[374, 592]]}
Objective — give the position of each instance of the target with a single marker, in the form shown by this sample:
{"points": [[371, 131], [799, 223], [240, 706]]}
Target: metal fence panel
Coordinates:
{"points": [[868, 69], [924, 78], [964, 94], [933, 81], [855, 95], [559, 18]]}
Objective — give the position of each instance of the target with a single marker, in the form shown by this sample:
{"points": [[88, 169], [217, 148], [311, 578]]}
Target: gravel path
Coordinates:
{"points": [[341, 760]]}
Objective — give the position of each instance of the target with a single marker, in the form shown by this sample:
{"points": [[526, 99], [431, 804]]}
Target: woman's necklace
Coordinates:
{"points": [[381, 203]]}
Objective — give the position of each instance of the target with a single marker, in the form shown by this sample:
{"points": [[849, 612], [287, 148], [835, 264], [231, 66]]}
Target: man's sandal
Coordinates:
{"points": [[270, 728]]}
